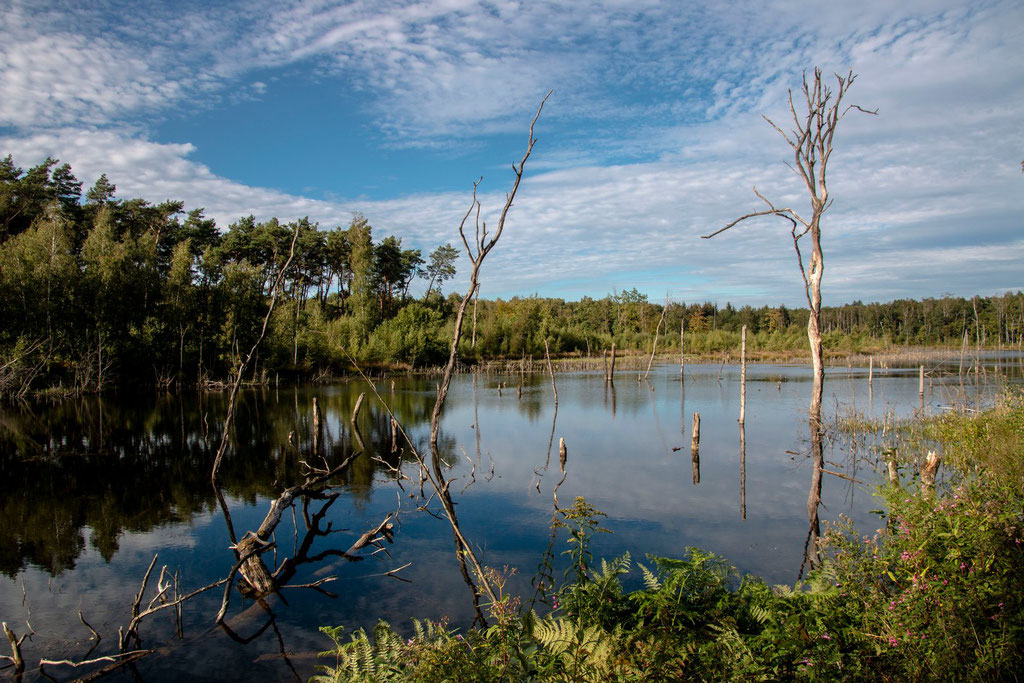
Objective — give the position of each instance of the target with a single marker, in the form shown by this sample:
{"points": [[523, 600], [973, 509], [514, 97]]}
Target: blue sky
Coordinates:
{"points": [[653, 135]]}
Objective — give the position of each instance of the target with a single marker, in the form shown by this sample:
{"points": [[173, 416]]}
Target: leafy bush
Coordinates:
{"points": [[416, 336], [940, 584]]}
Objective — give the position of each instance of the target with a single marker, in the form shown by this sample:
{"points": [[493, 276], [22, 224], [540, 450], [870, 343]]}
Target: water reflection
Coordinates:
{"points": [[94, 487], [114, 466]]}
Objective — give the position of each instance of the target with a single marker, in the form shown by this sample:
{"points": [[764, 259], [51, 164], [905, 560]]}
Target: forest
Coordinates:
{"points": [[98, 292]]}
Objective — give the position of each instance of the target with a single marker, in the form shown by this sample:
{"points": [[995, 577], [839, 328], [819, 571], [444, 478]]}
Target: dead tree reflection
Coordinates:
{"points": [[743, 471]]}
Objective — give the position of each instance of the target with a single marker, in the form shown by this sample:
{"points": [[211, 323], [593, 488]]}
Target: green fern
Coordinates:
{"points": [[381, 659], [581, 651], [651, 581]]}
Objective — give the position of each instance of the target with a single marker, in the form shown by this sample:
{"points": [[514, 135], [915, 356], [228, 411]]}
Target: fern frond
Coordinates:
{"points": [[651, 581]]}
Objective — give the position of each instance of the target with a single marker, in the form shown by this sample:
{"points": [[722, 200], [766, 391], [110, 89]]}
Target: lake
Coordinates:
{"points": [[94, 488]]}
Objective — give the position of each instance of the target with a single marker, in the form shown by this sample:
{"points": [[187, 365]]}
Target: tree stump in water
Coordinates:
{"points": [[928, 471]]}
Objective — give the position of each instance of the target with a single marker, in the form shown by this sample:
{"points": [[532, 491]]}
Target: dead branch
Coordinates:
{"points": [[477, 253], [19, 663], [841, 476], [257, 577], [228, 581], [551, 371], [657, 331], [118, 661], [230, 416]]}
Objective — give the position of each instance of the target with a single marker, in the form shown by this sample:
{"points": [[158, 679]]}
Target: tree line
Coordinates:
{"points": [[98, 291]]}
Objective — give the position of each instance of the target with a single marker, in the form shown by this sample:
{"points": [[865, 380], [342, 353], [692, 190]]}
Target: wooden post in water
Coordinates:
{"points": [[682, 348], [695, 436], [920, 388], [316, 426], [562, 454], [695, 448], [611, 372], [743, 373], [394, 435], [359, 404], [606, 365], [871, 370]]}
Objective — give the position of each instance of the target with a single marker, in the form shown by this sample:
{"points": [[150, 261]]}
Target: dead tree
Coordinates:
{"points": [[477, 251], [477, 247], [811, 138]]}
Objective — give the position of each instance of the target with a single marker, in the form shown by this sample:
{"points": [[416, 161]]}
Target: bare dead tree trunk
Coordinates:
{"points": [[551, 371], [476, 300], [682, 348], [743, 375], [811, 137], [654, 347], [477, 252]]}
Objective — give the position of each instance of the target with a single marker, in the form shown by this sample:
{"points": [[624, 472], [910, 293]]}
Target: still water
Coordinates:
{"points": [[93, 489]]}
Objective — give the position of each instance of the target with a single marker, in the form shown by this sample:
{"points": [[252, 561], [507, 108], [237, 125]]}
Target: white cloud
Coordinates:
{"points": [[653, 136]]}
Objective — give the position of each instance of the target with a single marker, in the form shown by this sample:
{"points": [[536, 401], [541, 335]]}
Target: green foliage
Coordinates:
{"points": [[940, 584], [992, 440], [582, 522], [415, 337], [440, 268]]}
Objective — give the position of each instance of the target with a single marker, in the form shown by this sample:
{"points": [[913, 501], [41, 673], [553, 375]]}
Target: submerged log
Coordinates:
{"points": [[257, 579]]}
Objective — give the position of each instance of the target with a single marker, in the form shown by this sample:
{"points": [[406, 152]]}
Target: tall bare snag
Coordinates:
{"points": [[816, 115]]}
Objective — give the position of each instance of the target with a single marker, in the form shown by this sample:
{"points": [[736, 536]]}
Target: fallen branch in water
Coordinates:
{"points": [[841, 476]]}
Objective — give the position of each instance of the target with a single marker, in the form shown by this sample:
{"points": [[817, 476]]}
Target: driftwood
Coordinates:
{"points": [[258, 579], [116, 662]]}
